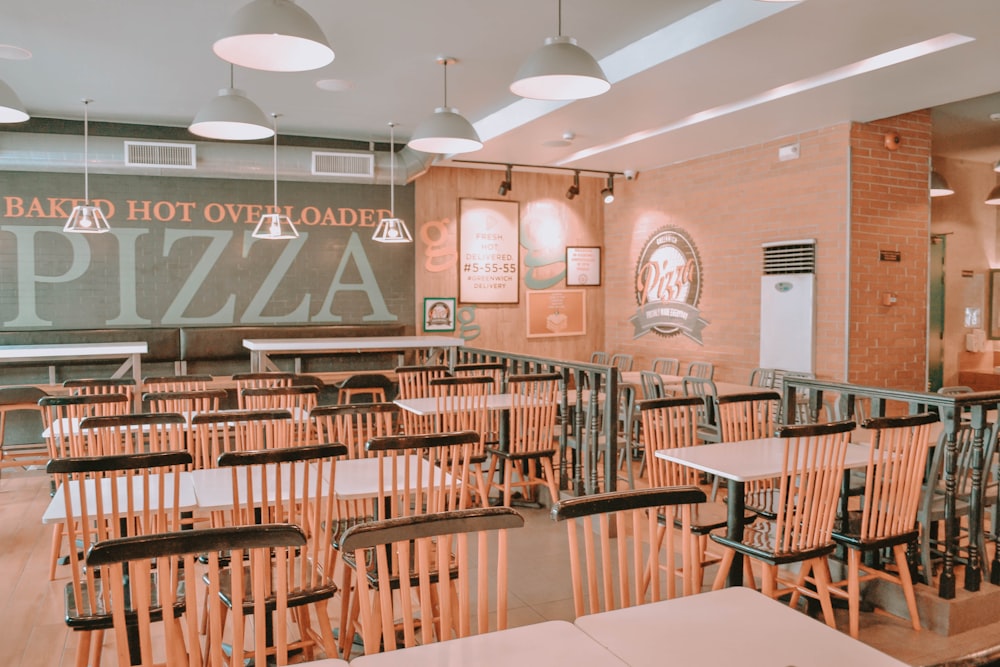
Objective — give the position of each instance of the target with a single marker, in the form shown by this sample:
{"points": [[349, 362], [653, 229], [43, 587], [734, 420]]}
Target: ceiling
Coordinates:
{"points": [[690, 77]]}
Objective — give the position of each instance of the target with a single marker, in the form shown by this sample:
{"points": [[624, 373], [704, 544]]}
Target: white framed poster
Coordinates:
{"points": [[488, 251], [583, 265]]}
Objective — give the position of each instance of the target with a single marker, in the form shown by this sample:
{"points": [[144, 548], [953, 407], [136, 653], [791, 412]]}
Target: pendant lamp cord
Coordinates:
{"points": [[445, 82], [275, 165], [86, 152], [559, 20], [392, 169]]}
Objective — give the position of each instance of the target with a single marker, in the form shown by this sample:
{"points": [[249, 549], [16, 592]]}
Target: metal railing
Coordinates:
{"points": [[862, 402]]}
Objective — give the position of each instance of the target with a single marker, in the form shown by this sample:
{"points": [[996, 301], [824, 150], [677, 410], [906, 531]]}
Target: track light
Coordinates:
{"points": [[505, 185], [574, 189], [609, 192]]}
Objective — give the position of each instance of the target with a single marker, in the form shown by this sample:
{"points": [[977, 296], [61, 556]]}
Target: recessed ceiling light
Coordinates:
{"points": [[335, 85], [10, 52]]}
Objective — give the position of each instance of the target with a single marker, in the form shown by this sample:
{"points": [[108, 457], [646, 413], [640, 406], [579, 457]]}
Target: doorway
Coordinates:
{"points": [[935, 315]]}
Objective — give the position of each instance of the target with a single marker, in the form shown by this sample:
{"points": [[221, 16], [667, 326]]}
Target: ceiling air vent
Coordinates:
{"points": [[789, 257], [160, 154], [358, 165]]}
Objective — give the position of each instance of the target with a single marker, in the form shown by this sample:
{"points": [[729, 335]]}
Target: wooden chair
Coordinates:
{"points": [[214, 433], [671, 423], [135, 433], [161, 568], [187, 402], [176, 383], [299, 400], [420, 474], [372, 387], [461, 406], [92, 517], [494, 369], [531, 447], [801, 531], [749, 416], [887, 518], [296, 486], [931, 511], [621, 539], [258, 381], [20, 412], [355, 424], [61, 417], [666, 366], [101, 386], [701, 369], [414, 382], [432, 572]]}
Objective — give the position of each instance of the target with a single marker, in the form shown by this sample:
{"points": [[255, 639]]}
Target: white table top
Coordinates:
{"points": [[56, 511], [746, 460], [732, 626], [70, 350], [358, 479], [213, 487], [347, 344], [551, 643], [428, 406]]}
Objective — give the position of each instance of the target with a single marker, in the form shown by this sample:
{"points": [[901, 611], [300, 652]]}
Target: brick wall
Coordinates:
{"points": [[890, 211]]}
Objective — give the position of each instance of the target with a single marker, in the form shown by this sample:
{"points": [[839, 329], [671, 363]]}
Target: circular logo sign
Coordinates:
{"points": [[668, 286]]}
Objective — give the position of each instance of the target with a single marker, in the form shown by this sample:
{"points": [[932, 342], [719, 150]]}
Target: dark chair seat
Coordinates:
{"points": [[758, 542]]}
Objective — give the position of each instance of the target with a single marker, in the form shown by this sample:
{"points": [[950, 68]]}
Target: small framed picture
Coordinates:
{"points": [[583, 266], [439, 313]]}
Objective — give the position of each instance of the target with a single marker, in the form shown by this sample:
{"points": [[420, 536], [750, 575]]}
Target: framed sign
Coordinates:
{"points": [[556, 313], [488, 251], [583, 265], [439, 313]]}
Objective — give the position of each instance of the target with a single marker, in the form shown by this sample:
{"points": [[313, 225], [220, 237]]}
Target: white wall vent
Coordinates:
{"points": [[790, 257], [160, 154], [355, 164]]}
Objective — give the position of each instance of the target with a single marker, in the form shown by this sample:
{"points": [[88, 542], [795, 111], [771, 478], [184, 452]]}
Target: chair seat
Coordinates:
{"points": [[708, 516], [520, 456], [851, 537], [758, 542], [82, 617], [296, 596]]}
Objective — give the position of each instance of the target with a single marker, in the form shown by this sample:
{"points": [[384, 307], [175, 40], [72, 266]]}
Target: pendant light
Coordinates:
{"points": [[939, 186], [560, 70], [275, 225], [11, 108], [273, 35], [231, 116], [392, 229], [608, 193], [84, 218], [446, 131]]}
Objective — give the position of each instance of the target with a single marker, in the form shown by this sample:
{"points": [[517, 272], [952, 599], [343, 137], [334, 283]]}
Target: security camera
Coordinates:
{"points": [[630, 174]]}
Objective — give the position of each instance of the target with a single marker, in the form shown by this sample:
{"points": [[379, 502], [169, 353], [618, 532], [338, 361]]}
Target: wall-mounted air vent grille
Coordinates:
{"points": [[158, 154], [360, 165], [790, 257]]}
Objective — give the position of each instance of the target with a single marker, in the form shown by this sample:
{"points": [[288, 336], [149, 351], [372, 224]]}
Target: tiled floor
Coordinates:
{"points": [[32, 631]]}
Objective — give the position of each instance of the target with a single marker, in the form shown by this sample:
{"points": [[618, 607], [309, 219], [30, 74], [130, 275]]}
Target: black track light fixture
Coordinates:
{"points": [[608, 193], [574, 189], [505, 185]]}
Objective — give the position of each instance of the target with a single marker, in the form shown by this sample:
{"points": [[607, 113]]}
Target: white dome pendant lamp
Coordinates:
{"points": [[446, 131], [231, 116], [392, 229], [273, 35], [275, 225], [86, 218], [11, 108], [560, 70]]}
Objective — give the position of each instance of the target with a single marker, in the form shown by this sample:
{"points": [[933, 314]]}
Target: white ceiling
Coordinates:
{"points": [[690, 77]]}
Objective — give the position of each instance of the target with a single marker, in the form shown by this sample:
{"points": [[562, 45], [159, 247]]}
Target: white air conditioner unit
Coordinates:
{"points": [[788, 306]]}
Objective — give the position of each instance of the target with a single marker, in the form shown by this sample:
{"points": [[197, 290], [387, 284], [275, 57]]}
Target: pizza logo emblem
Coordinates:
{"points": [[668, 279]]}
